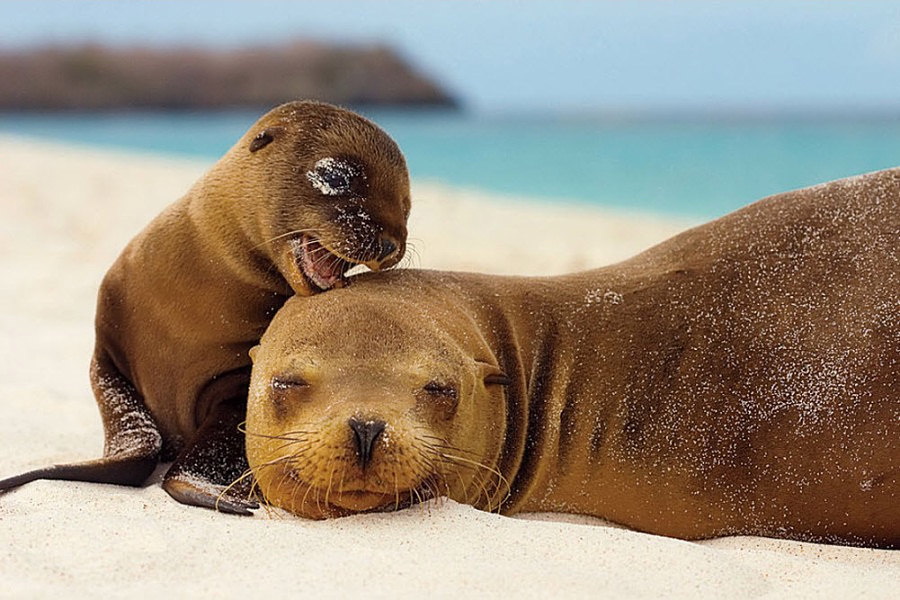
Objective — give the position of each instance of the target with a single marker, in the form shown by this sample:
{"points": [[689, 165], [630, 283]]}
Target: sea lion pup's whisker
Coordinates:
{"points": [[412, 255], [333, 260], [330, 261], [284, 235]]}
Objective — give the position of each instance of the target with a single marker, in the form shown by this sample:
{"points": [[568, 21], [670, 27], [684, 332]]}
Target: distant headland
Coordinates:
{"points": [[92, 77]]}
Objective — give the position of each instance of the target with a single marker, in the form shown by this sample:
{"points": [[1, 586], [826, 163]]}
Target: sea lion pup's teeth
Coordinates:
{"points": [[321, 266]]}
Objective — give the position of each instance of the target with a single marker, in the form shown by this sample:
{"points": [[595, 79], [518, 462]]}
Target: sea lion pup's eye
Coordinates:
{"points": [[334, 176], [283, 384], [434, 388]]}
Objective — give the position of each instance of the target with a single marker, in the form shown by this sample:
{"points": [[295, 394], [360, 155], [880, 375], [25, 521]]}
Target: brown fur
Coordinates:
{"points": [[739, 378], [188, 297], [191, 294]]}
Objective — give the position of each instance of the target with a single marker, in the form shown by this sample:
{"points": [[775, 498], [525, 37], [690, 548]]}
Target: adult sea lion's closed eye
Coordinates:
{"points": [[497, 379], [440, 389]]}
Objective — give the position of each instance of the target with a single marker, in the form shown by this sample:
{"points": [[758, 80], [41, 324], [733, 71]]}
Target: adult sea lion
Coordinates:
{"points": [[739, 378], [307, 192]]}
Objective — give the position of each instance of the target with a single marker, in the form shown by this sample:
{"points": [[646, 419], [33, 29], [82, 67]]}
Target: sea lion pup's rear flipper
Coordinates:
{"points": [[133, 441], [212, 472]]}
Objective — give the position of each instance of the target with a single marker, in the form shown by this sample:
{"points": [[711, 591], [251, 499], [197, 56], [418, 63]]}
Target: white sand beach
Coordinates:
{"points": [[66, 212]]}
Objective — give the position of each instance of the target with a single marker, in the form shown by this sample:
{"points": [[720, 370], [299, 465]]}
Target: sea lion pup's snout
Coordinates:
{"points": [[336, 191], [359, 402]]}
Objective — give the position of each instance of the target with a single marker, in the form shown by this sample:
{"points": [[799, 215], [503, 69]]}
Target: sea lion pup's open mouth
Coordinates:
{"points": [[321, 267]]}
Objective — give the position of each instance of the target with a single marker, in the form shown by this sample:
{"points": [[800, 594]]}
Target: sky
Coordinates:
{"points": [[556, 55]]}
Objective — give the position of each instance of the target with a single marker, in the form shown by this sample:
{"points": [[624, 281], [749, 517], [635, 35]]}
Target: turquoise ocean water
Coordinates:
{"points": [[685, 167]]}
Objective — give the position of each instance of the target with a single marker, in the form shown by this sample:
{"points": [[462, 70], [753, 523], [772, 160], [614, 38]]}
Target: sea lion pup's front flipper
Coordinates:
{"points": [[212, 472], [133, 441]]}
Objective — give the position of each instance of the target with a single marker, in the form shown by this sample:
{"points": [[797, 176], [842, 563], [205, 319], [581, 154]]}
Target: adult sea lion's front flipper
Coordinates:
{"points": [[133, 441], [211, 471]]}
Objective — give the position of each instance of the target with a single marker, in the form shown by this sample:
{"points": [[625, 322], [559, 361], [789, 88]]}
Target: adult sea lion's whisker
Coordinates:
{"points": [[396, 489], [226, 489], [330, 477], [242, 427], [477, 466]]}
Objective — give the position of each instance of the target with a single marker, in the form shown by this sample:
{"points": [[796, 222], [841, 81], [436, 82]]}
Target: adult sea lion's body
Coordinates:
{"points": [[308, 191], [739, 378]]}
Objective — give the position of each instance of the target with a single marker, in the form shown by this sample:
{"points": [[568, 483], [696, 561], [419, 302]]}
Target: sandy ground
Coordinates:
{"points": [[65, 213]]}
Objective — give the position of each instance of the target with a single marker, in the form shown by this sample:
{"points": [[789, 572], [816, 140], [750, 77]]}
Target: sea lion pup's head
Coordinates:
{"points": [[363, 401], [322, 189]]}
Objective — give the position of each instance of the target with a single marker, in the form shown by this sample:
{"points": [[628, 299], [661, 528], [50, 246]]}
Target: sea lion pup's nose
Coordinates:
{"points": [[366, 433], [388, 249]]}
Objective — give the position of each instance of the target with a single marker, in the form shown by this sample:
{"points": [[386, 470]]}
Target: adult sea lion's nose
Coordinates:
{"points": [[366, 433]]}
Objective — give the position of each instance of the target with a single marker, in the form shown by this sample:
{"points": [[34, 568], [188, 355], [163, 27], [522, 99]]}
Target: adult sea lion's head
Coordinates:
{"points": [[333, 188], [362, 400]]}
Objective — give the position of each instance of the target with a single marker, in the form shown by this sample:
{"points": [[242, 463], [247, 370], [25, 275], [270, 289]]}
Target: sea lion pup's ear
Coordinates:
{"points": [[494, 375], [253, 352], [264, 138]]}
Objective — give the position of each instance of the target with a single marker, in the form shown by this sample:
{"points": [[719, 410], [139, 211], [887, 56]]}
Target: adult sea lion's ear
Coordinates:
{"points": [[264, 138], [497, 379], [494, 375], [253, 352]]}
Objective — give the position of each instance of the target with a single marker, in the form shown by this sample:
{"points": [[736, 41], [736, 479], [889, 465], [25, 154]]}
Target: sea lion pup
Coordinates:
{"points": [[307, 192], [739, 378]]}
